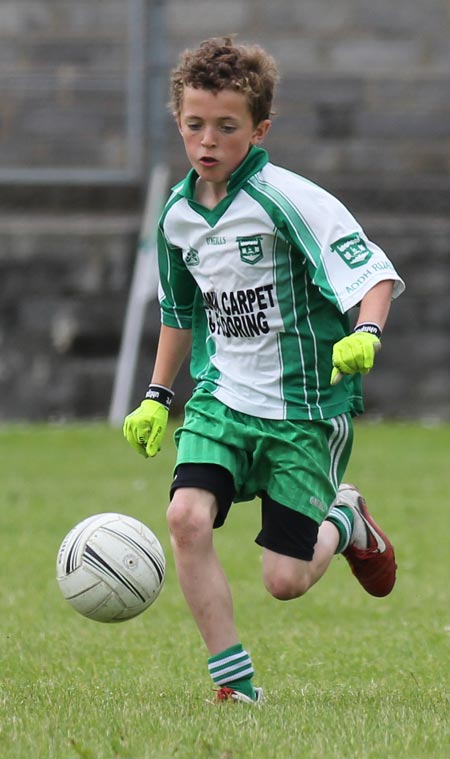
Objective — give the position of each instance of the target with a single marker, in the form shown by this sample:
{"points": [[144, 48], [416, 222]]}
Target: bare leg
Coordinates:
{"points": [[286, 577], [202, 579]]}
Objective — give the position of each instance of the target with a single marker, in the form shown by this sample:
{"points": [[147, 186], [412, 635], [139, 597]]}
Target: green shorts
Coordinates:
{"points": [[299, 464]]}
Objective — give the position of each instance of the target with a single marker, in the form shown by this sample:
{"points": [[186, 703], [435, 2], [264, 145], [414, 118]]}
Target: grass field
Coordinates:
{"points": [[345, 675]]}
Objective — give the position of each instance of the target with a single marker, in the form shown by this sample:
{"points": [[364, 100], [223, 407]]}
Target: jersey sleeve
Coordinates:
{"points": [[341, 261], [349, 263], [177, 287]]}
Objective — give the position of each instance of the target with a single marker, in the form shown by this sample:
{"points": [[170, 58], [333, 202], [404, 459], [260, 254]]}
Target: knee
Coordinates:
{"points": [[189, 521], [286, 585]]}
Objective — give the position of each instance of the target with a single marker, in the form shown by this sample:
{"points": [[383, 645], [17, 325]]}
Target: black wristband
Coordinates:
{"points": [[370, 327], [159, 393]]}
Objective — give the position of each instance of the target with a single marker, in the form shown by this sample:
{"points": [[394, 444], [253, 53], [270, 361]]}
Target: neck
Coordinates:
{"points": [[209, 194]]}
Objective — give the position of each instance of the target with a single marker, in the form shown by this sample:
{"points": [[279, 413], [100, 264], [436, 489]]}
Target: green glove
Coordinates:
{"points": [[354, 353], [144, 428]]}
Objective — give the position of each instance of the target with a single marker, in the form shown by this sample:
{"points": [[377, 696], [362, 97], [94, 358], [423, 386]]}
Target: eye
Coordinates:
{"points": [[228, 128], [194, 126]]}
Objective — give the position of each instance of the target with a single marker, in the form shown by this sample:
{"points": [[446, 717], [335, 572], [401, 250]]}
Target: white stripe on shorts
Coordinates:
{"points": [[337, 443]]}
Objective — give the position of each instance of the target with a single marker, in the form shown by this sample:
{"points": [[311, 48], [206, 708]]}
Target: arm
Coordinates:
{"points": [[376, 304], [144, 428], [356, 352], [173, 347]]}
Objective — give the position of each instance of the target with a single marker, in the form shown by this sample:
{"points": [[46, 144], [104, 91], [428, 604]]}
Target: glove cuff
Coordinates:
{"points": [[161, 394], [370, 327]]}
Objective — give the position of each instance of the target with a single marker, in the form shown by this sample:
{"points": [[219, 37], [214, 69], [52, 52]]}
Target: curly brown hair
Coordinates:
{"points": [[218, 64]]}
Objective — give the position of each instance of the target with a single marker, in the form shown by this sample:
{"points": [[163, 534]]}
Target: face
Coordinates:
{"points": [[217, 130]]}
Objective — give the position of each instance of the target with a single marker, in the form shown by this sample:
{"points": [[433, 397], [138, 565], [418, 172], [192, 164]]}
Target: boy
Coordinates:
{"points": [[258, 269]]}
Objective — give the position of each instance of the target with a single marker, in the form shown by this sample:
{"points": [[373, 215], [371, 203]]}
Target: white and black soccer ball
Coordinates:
{"points": [[110, 567]]}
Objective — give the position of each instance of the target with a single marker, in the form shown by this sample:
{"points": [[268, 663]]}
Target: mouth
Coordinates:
{"points": [[208, 161]]}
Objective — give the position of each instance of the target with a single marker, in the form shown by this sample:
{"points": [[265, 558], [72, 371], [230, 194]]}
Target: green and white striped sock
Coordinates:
{"points": [[233, 668], [342, 518]]}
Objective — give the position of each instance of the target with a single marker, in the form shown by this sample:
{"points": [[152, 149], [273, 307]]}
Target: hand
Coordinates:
{"points": [[144, 428], [354, 353]]}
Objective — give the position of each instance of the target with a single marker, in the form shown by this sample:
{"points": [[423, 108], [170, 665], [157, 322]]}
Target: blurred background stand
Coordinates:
{"points": [[362, 109]]}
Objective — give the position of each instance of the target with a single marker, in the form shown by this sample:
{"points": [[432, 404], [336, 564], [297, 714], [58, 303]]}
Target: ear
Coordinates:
{"points": [[260, 132]]}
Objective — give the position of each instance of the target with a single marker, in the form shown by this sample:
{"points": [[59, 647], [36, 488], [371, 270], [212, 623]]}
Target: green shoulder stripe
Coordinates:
{"points": [[295, 227], [286, 216]]}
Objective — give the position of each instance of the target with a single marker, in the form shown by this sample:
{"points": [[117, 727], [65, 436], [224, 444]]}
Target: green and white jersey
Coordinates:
{"points": [[265, 280]]}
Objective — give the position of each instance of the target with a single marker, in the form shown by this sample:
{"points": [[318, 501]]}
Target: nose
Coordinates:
{"points": [[208, 137]]}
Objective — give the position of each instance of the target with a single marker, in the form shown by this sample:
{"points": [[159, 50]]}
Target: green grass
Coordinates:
{"points": [[345, 675]]}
